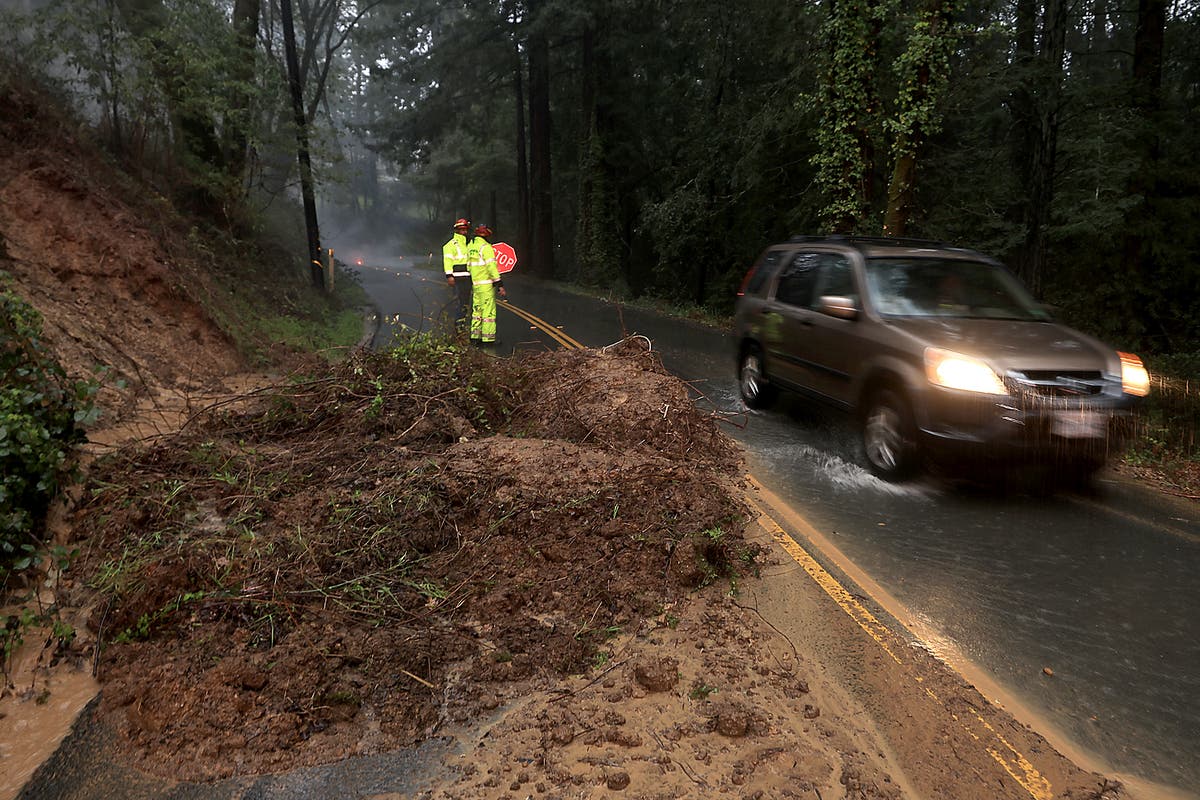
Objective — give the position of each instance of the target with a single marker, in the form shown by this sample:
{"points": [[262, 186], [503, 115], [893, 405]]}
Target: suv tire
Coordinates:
{"points": [[889, 436], [756, 388], [1080, 472]]}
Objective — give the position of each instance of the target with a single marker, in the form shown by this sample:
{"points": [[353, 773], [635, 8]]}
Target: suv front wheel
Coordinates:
{"points": [[889, 436], [757, 390]]}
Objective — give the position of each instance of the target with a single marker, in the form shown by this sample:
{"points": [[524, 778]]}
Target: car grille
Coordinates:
{"points": [[1052, 383]]}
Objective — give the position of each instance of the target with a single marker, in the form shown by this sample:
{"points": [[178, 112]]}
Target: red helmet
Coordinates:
{"points": [[484, 231], [462, 222]]}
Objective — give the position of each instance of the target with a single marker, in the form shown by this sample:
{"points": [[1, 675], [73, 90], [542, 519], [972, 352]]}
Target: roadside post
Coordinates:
{"points": [[329, 272]]}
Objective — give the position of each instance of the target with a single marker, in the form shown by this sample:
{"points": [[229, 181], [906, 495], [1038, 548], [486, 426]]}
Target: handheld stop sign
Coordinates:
{"points": [[506, 257]]}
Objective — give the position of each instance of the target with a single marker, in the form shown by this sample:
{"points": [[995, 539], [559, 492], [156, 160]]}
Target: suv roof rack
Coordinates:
{"points": [[876, 240]]}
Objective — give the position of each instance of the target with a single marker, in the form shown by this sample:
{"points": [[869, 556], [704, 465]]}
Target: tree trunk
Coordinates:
{"points": [[901, 193], [523, 234], [302, 152], [1148, 55], [849, 153], [245, 32], [585, 216], [1037, 109], [1147, 104], [541, 195], [930, 52]]}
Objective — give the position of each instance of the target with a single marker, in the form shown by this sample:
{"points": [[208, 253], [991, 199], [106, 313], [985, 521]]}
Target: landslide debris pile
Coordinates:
{"points": [[342, 564]]}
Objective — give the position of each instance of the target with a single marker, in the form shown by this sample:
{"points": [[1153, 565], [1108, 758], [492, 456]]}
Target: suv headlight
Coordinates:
{"points": [[1135, 379], [956, 371]]}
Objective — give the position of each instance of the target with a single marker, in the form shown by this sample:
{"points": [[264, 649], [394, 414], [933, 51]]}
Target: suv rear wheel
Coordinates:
{"points": [[757, 390], [889, 436]]}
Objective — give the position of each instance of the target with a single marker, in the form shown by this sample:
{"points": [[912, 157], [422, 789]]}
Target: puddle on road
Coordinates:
{"points": [[32, 731]]}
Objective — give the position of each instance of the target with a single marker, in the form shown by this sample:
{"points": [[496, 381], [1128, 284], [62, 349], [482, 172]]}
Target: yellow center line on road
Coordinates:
{"points": [[550, 330], [1013, 761], [538, 323], [857, 611]]}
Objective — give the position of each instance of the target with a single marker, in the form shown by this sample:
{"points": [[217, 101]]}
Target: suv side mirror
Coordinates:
{"points": [[838, 306]]}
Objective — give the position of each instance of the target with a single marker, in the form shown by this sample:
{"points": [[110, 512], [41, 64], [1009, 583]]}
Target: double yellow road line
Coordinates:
{"points": [[1008, 757], [541, 324], [535, 321]]}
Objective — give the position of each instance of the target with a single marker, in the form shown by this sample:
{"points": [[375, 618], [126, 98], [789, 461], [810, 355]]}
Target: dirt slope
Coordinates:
{"points": [[98, 256], [551, 561]]}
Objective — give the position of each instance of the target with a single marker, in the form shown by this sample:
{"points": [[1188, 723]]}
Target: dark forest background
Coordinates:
{"points": [[654, 147]]}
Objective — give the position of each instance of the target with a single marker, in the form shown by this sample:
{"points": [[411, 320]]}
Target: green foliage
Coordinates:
{"points": [[171, 89], [1167, 426], [339, 329], [40, 416], [30, 618], [923, 70], [850, 111], [268, 299]]}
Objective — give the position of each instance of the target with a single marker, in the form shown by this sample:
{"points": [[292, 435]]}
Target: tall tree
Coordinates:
{"points": [[850, 111], [303, 156], [541, 196], [1137, 259], [524, 233], [238, 125], [598, 250], [1038, 106], [185, 88], [923, 70]]}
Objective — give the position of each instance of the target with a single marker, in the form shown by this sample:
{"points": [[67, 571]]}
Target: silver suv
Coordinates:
{"points": [[939, 352]]}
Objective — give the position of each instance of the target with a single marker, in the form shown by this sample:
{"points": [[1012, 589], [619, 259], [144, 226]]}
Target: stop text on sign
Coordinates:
{"points": [[506, 257]]}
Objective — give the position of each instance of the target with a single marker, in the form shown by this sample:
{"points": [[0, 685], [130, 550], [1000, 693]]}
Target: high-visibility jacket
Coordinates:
{"points": [[481, 260], [455, 257], [485, 277]]}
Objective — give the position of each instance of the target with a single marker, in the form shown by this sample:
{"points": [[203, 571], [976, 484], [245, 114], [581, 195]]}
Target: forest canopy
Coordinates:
{"points": [[654, 147]]}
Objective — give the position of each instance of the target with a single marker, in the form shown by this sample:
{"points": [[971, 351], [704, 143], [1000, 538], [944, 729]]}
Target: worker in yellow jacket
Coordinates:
{"points": [[458, 275], [485, 282]]}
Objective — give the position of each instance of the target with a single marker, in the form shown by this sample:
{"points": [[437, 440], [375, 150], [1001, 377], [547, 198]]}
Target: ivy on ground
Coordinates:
{"points": [[40, 412]]}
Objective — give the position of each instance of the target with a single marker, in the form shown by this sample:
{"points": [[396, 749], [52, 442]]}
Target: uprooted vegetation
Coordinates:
{"points": [[342, 564]]}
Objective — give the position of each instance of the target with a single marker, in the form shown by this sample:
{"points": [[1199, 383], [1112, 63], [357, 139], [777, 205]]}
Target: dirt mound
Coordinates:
{"points": [[354, 560]]}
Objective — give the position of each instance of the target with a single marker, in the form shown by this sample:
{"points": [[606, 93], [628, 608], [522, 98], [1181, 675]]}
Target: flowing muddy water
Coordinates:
{"points": [[37, 719]]}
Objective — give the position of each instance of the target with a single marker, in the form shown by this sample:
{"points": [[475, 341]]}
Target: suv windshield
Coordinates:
{"points": [[934, 287]]}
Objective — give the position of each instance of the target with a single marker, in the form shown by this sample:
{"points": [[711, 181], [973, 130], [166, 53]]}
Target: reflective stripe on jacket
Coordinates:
{"points": [[455, 256], [481, 259]]}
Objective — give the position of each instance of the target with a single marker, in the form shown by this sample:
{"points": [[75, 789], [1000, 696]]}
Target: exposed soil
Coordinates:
{"points": [[547, 559], [315, 563]]}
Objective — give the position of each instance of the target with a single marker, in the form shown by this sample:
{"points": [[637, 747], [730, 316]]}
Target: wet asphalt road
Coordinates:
{"points": [[1101, 587], [84, 769]]}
